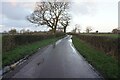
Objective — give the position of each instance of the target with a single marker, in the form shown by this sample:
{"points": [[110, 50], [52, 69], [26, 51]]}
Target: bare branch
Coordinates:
{"points": [[50, 14]]}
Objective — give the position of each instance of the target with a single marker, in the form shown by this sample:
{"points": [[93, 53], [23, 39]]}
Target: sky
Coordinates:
{"points": [[101, 15]]}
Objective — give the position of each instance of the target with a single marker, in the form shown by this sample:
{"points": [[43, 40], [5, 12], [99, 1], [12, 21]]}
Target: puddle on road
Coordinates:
{"points": [[75, 52], [71, 44], [58, 41], [70, 40], [73, 49]]}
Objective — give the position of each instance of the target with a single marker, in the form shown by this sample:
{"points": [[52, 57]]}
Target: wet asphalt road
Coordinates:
{"points": [[61, 61]]}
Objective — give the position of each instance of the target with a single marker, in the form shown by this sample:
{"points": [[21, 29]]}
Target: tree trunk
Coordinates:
{"points": [[54, 30], [64, 29]]}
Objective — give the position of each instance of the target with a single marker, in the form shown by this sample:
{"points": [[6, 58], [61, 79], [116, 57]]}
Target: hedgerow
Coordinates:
{"points": [[9, 42], [107, 44]]}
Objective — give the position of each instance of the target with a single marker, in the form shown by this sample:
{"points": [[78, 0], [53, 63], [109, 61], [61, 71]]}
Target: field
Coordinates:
{"points": [[105, 34], [106, 65]]}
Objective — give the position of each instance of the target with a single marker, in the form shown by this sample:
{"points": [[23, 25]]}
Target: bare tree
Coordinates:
{"points": [[74, 30], [116, 31], [78, 28], [22, 31], [5, 32], [65, 20], [50, 14], [88, 29]]}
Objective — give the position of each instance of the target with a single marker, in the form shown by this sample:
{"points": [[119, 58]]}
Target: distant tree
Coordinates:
{"points": [[115, 31], [27, 31], [97, 31], [5, 32], [74, 30], [88, 29], [65, 20], [51, 14], [22, 31], [35, 32], [78, 28], [60, 29], [13, 31]]}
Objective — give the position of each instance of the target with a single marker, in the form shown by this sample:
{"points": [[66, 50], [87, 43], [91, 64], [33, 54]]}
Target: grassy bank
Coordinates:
{"points": [[107, 44], [105, 64], [23, 50]]}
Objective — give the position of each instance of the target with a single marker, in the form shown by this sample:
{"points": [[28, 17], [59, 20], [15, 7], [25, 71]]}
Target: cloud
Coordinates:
{"points": [[84, 8], [15, 12], [14, 23], [13, 2]]}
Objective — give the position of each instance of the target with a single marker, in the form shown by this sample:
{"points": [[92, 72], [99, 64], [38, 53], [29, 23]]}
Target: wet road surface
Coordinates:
{"points": [[61, 61]]}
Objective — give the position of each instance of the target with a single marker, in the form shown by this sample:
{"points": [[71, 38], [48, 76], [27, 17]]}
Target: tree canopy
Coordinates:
{"points": [[52, 14]]}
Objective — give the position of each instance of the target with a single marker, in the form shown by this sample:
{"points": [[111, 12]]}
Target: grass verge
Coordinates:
{"points": [[105, 64], [23, 50]]}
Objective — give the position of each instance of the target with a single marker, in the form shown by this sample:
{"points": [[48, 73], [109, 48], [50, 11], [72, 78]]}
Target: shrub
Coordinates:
{"points": [[11, 41]]}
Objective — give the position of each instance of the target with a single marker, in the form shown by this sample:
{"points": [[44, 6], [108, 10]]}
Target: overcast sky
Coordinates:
{"points": [[101, 15]]}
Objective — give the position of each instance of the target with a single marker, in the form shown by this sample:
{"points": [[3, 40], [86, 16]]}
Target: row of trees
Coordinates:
{"points": [[52, 14], [78, 29], [89, 28], [59, 29], [22, 31]]}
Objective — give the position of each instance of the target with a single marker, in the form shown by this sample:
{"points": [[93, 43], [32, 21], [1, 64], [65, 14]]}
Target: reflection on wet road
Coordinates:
{"points": [[63, 61]]}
